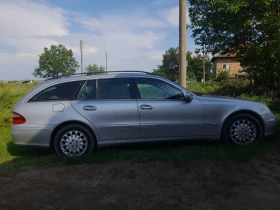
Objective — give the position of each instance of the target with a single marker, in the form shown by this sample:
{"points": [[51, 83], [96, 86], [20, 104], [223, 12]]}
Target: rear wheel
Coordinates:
{"points": [[74, 140], [242, 129]]}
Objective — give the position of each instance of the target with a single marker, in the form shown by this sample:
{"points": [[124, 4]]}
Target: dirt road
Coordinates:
{"points": [[201, 184]]}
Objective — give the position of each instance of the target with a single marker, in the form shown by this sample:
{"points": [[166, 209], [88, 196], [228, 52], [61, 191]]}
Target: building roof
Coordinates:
{"points": [[228, 55]]}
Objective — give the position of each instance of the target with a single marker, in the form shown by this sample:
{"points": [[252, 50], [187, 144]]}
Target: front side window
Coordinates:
{"points": [[157, 89], [62, 91], [89, 91], [116, 88]]}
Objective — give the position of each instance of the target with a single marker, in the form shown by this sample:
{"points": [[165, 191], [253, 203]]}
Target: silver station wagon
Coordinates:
{"points": [[75, 114]]}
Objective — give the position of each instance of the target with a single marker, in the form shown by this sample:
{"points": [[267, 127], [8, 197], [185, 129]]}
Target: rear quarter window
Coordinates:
{"points": [[62, 91]]}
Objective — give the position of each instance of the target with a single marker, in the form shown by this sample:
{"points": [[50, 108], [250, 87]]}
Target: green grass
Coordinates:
{"points": [[9, 95], [12, 156]]}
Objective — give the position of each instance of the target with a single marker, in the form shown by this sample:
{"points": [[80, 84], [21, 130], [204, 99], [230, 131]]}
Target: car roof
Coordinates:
{"points": [[77, 77], [88, 76]]}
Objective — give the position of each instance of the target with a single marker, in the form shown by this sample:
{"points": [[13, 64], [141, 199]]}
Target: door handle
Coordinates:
{"points": [[89, 108], [144, 106]]}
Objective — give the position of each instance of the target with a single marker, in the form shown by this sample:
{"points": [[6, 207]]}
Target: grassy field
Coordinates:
{"points": [[12, 156]]}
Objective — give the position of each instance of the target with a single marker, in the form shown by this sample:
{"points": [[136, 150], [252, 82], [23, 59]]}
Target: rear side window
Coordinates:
{"points": [[89, 91], [116, 88], [63, 91]]}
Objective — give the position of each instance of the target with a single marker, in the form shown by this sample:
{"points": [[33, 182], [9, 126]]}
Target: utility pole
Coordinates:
{"points": [[203, 52], [81, 48], [106, 61], [182, 42]]}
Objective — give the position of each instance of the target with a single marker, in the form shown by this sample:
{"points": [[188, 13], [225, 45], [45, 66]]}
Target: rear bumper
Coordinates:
{"points": [[32, 135], [270, 122]]}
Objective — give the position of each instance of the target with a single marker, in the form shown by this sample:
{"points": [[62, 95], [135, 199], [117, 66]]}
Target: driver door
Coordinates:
{"points": [[164, 113]]}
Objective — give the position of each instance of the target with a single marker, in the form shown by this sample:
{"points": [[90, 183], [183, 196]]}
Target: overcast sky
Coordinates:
{"points": [[135, 33]]}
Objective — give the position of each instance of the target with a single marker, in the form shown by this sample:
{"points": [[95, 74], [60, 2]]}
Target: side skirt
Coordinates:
{"points": [[170, 139]]}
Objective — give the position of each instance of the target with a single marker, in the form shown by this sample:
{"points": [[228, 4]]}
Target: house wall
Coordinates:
{"points": [[234, 66]]}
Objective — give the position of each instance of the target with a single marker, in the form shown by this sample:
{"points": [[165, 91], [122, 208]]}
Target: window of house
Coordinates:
{"points": [[226, 67], [243, 68]]}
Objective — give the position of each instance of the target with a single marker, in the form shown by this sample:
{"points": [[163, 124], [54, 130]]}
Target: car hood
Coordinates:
{"points": [[226, 99], [238, 104]]}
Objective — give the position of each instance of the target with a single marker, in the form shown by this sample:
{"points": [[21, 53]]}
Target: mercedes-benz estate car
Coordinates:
{"points": [[76, 114]]}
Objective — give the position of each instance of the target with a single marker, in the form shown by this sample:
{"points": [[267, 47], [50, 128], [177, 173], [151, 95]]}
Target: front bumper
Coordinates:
{"points": [[270, 122]]}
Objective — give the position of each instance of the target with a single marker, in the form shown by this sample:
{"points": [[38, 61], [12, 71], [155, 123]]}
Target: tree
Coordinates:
{"points": [[95, 69], [56, 61], [195, 65], [170, 66], [248, 28]]}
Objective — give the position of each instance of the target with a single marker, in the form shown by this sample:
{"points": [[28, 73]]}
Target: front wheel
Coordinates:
{"points": [[74, 141], [242, 129]]}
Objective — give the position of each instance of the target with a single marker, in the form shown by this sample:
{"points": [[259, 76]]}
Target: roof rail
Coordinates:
{"points": [[90, 73]]}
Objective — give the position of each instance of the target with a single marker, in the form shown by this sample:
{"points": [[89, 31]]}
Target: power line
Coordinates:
{"points": [[11, 29], [30, 37], [11, 32], [10, 36], [4, 49]]}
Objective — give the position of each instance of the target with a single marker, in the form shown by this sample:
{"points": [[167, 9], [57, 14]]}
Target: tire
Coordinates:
{"points": [[74, 140], [242, 129]]}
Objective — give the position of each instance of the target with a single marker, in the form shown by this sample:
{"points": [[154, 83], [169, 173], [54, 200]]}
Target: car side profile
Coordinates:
{"points": [[76, 114]]}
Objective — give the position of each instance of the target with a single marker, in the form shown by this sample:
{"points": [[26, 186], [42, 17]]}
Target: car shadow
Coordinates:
{"points": [[28, 155], [31, 151], [175, 151]]}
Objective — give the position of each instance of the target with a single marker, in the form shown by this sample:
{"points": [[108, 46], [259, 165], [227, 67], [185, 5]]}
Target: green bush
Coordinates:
{"points": [[223, 76]]}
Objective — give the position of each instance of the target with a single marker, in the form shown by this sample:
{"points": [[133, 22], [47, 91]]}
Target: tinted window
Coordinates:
{"points": [[114, 88], [89, 91], [156, 89], [63, 91]]}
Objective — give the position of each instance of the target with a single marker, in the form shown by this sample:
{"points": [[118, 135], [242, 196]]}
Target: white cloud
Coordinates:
{"points": [[132, 42], [162, 3], [119, 23], [23, 25], [172, 16], [31, 18], [157, 55], [91, 50], [22, 55]]}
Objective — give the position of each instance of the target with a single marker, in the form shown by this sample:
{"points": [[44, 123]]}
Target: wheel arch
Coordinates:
{"points": [[61, 125], [244, 111]]}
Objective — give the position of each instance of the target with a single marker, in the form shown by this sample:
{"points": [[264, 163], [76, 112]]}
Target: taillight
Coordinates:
{"points": [[18, 119]]}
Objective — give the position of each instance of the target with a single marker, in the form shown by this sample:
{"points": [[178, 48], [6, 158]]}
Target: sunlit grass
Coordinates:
{"points": [[12, 156]]}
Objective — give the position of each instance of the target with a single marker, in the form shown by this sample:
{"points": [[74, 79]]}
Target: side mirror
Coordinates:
{"points": [[188, 98]]}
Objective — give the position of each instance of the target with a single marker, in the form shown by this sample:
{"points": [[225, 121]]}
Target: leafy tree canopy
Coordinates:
{"points": [[170, 66], [248, 28], [56, 61], [95, 69]]}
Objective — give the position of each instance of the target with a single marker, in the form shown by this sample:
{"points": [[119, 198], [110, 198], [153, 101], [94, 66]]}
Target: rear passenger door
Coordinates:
{"points": [[109, 106]]}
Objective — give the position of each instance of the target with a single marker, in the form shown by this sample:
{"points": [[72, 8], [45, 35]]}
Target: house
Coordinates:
{"points": [[228, 62]]}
